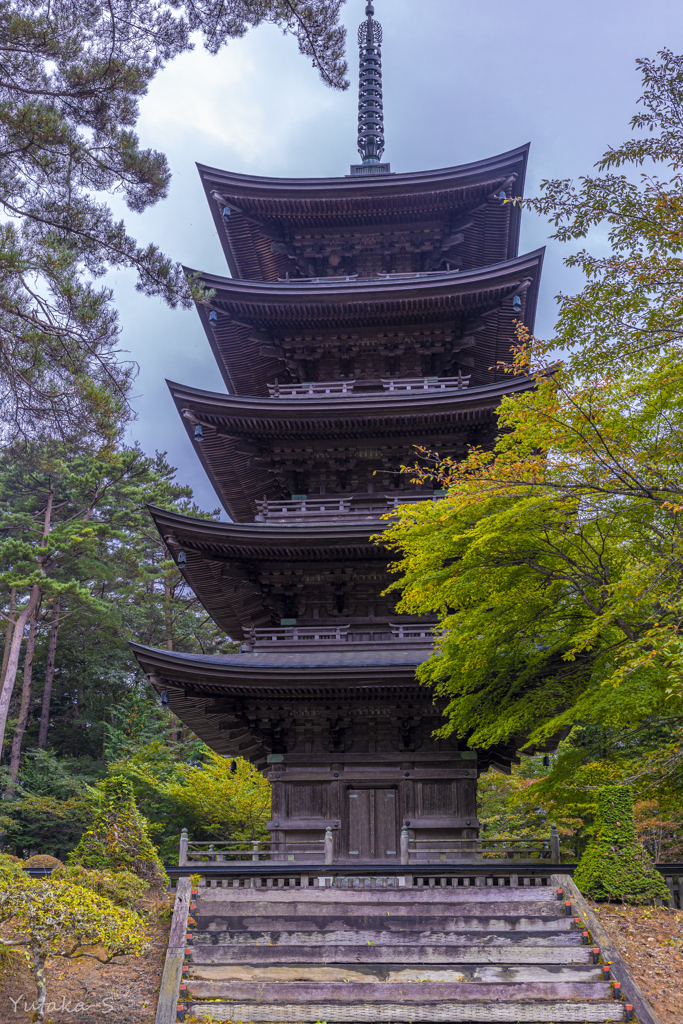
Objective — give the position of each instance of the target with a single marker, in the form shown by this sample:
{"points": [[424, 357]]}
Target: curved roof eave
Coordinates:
{"points": [[376, 404], [267, 534], [290, 192], [285, 668], [363, 290], [347, 186]]}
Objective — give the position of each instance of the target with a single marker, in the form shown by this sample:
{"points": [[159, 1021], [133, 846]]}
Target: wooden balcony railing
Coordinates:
{"points": [[311, 389], [306, 508], [300, 634], [324, 508], [382, 633], [319, 389], [412, 852], [426, 383], [205, 854]]}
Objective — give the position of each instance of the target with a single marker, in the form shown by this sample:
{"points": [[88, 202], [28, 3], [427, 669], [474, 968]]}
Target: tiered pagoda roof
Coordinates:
{"points": [[366, 315], [234, 702], [254, 448], [261, 332], [247, 574], [273, 227]]}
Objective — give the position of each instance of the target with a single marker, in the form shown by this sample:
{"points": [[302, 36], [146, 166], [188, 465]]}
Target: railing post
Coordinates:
{"points": [[255, 851], [554, 846], [182, 850], [405, 848], [329, 846]]}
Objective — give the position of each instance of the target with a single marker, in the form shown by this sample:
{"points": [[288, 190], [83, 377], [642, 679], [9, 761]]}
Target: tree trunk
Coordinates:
{"points": [[41, 984], [49, 677], [24, 709], [20, 626], [8, 632], [13, 660]]}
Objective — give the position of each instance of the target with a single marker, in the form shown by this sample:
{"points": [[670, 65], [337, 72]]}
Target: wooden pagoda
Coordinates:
{"points": [[365, 315]]}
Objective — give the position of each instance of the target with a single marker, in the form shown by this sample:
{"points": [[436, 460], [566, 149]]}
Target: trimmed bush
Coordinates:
{"points": [[43, 860], [121, 887], [119, 836], [615, 866]]}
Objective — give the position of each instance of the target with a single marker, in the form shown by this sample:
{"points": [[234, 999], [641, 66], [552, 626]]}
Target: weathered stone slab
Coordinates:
{"points": [[358, 896], [416, 992], [395, 973], [512, 953], [555, 1012]]}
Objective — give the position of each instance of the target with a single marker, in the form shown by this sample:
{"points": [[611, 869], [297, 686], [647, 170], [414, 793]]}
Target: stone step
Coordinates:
{"points": [[417, 923], [401, 894], [468, 953], [358, 993], [373, 908], [512, 1011], [406, 939], [390, 974]]}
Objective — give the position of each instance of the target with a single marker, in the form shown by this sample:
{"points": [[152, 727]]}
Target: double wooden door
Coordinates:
{"points": [[372, 824]]}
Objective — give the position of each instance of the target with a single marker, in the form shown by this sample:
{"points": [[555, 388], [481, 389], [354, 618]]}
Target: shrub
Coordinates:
{"points": [[121, 887], [10, 870], [615, 866], [43, 860], [119, 836], [56, 919]]}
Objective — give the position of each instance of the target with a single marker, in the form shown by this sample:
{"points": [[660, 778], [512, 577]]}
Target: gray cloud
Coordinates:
{"points": [[462, 81]]}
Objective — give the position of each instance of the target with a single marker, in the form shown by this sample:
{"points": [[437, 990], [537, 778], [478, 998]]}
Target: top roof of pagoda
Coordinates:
{"points": [[263, 210]]}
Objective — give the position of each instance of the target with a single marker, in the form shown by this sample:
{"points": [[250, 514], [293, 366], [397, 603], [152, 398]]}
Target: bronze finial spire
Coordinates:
{"points": [[370, 109]]}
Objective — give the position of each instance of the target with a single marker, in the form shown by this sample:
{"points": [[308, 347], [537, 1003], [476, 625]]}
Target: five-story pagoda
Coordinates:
{"points": [[362, 317]]}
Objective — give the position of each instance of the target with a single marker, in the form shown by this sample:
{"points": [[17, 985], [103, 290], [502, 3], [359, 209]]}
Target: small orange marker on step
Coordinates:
{"points": [[567, 908], [584, 938], [180, 1012], [605, 972], [560, 894], [628, 1011], [596, 954]]}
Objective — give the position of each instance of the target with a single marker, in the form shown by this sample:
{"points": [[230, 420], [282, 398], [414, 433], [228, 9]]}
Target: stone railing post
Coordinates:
{"points": [[182, 850], [405, 848], [329, 846], [554, 846], [255, 851]]}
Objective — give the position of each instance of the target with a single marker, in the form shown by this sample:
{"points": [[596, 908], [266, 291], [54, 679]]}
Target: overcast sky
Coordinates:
{"points": [[462, 81]]}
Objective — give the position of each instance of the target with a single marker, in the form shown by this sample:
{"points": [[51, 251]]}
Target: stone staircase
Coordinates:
{"points": [[451, 952]]}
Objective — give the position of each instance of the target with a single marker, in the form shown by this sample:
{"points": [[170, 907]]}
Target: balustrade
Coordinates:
{"points": [[311, 389], [382, 633], [426, 383], [320, 389], [329, 508]]}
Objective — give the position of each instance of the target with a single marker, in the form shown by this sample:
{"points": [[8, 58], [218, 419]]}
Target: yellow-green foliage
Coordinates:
{"points": [[615, 866], [59, 919], [230, 805], [10, 870], [43, 860], [119, 836], [121, 887]]}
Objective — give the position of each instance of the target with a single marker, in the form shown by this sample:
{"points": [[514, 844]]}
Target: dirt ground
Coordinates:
{"points": [[650, 939], [85, 992]]}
